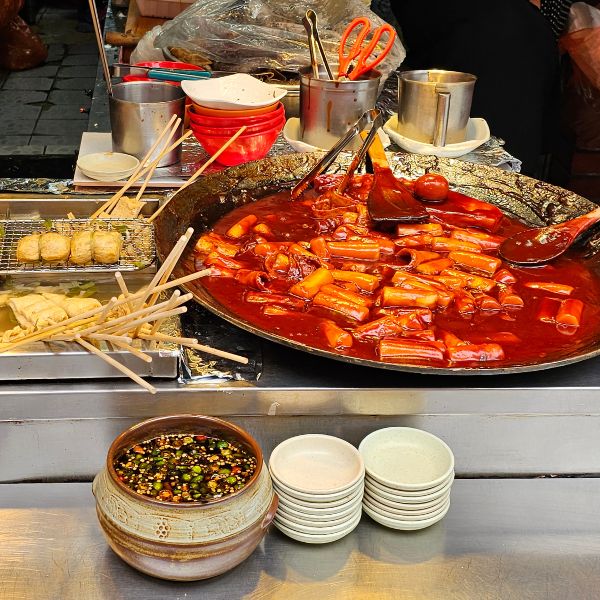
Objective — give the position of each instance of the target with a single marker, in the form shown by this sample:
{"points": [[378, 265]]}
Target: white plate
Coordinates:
{"points": [[319, 502], [316, 464], [308, 538], [418, 493], [403, 507], [406, 526], [417, 502], [107, 166], [233, 92], [406, 458], [296, 495], [478, 132], [291, 134], [404, 518], [330, 521], [320, 529], [320, 509], [398, 497], [295, 514]]}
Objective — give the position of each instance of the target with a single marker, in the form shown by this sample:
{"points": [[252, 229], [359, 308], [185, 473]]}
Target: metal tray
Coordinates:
{"points": [[137, 253]]}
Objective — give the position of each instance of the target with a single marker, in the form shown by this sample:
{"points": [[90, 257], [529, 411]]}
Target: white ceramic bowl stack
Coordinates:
{"points": [[320, 482], [409, 474]]}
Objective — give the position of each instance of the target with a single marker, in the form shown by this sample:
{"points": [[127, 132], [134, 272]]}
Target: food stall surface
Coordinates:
{"points": [[507, 538]]}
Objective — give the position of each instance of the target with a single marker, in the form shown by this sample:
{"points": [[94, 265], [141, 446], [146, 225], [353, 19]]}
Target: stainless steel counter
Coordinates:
{"points": [[502, 539]]}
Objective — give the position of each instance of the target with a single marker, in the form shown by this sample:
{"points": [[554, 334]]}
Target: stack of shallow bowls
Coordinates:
{"points": [[409, 474], [223, 105], [320, 481]]}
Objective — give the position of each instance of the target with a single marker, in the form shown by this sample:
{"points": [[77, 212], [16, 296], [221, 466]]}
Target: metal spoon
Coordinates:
{"points": [[541, 245], [311, 17]]}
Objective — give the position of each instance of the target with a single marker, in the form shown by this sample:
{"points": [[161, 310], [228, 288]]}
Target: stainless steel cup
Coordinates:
{"points": [[434, 106], [329, 108], [139, 111]]}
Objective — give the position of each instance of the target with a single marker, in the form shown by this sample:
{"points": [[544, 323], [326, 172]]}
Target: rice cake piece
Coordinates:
{"points": [[54, 247], [107, 246], [28, 248]]}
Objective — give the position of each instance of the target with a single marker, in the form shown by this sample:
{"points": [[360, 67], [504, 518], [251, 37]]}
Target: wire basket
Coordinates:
{"points": [[138, 249]]}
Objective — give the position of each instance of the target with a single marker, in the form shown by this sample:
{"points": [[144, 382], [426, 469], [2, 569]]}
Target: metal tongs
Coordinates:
{"points": [[372, 116]]}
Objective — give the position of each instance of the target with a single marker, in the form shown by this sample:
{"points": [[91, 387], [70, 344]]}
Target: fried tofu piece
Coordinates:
{"points": [[28, 248], [107, 246], [82, 248], [78, 306], [127, 208], [54, 247]]}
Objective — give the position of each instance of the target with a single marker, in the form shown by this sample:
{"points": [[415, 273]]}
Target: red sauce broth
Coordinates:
{"points": [[539, 341]]}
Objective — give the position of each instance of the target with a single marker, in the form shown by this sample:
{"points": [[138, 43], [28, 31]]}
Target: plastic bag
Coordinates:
{"points": [[582, 40], [21, 48], [145, 50], [249, 35]]}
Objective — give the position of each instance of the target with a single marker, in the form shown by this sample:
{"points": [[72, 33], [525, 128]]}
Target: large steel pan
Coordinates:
{"points": [[205, 202]]}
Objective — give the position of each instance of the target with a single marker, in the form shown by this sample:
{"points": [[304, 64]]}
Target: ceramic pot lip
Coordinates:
{"points": [[141, 431]]}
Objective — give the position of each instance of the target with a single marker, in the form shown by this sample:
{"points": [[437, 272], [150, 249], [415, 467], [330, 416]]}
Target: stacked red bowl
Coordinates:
{"points": [[212, 127]]}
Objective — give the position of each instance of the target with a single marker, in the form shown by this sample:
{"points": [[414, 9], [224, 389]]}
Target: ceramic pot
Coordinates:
{"points": [[184, 542]]}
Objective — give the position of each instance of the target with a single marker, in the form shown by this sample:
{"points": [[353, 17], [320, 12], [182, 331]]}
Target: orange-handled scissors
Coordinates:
{"points": [[362, 52]]}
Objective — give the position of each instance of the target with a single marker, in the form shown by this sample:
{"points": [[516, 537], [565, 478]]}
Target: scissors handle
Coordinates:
{"points": [[346, 59], [363, 63]]}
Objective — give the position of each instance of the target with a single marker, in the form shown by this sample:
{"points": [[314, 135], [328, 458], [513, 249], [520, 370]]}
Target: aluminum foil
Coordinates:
{"points": [[36, 185]]}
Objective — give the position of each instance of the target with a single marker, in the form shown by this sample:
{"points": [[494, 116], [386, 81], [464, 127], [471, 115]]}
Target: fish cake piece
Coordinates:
{"points": [[107, 246], [54, 247], [127, 208], [82, 247], [78, 306], [28, 248]]}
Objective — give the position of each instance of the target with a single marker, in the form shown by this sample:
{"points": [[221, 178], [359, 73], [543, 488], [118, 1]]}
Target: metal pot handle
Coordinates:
{"points": [[271, 512], [441, 118]]}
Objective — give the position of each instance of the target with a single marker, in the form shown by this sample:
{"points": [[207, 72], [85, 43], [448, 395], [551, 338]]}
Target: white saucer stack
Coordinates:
{"points": [[409, 474], [320, 481]]}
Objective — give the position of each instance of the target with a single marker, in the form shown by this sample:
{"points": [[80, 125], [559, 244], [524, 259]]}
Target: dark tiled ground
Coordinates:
{"points": [[44, 110]]}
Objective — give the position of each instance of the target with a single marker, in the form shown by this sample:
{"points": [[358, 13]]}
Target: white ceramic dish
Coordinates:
{"points": [[432, 490], [401, 508], [406, 518], [294, 494], [320, 509], [233, 92], [401, 503], [330, 521], [291, 134], [107, 166], [398, 497], [407, 459], [317, 464], [478, 132], [405, 526], [308, 538], [308, 518], [317, 529], [319, 503]]}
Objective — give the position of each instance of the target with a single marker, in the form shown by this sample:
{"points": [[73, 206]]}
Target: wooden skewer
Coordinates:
{"points": [[141, 355], [143, 320], [157, 324], [199, 171], [162, 337], [136, 174], [110, 338], [111, 361], [124, 289], [160, 156], [209, 350]]}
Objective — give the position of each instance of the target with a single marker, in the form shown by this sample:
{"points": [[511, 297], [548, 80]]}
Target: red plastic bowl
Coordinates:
{"points": [[243, 150], [231, 122], [229, 131]]}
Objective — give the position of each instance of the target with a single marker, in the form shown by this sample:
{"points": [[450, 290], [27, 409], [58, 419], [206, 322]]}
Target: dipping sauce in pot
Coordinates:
{"points": [[185, 467]]}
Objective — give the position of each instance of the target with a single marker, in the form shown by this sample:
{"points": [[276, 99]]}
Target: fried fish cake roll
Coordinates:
{"points": [[28, 248], [78, 306], [81, 248], [54, 247], [107, 246]]}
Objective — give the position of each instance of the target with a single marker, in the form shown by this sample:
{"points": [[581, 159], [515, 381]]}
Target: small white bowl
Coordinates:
{"points": [[407, 525], [405, 458], [417, 493], [316, 464], [308, 518], [317, 497], [107, 166], [330, 522], [406, 518], [340, 501], [308, 538], [320, 529], [233, 92], [402, 503], [398, 497], [400, 508], [320, 509]]}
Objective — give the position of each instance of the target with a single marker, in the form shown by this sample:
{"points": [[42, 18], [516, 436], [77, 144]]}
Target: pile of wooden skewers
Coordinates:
{"points": [[132, 316]]}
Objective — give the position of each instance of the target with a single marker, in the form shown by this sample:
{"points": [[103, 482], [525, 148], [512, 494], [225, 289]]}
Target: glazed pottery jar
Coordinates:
{"points": [[189, 541]]}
